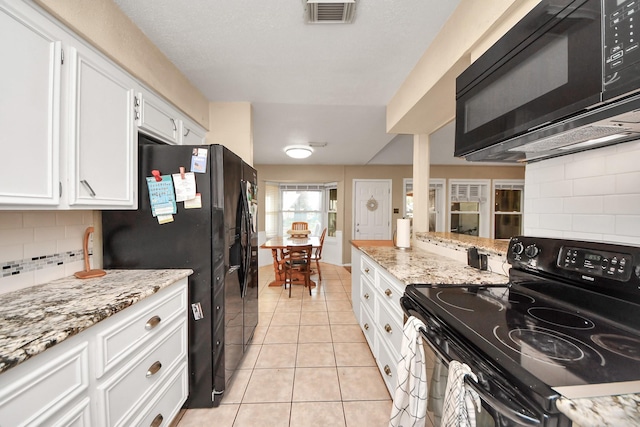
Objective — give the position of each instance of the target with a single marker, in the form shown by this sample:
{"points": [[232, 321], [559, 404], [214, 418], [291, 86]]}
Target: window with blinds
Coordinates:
{"points": [[468, 207], [508, 201]]}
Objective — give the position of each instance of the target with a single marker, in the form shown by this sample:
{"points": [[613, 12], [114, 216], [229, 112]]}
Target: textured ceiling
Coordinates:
{"points": [[307, 83]]}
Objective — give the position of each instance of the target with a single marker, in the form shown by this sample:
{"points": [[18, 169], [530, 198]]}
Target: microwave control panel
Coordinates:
{"points": [[621, 38]]}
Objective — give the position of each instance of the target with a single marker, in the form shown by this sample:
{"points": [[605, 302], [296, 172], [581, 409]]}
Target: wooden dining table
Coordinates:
{"points": [[277, 244]]}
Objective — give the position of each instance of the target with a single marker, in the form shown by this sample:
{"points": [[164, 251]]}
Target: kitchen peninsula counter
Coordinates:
{"points": [[417, 265], [464, 241], [38, 317]]}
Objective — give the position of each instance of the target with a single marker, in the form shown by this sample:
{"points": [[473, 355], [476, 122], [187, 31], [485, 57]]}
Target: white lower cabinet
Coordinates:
{"points": [[46, 389], [380, 315], [125, 369]]}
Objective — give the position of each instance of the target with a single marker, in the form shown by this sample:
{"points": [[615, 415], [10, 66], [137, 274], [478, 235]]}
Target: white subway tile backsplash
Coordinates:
{"points": [[16, 237], [39, 249], [628, 225], [558, 222], [39, 219], [548, 205], [588, 167], [10, 220], [590, 205], [547, 174], [600, 193], [627, 183], [594, 186], [602, 224], [72, 218], [19, 281], [11, 253], [625, 204], [622, 162], [47, 234], [559, 188]]}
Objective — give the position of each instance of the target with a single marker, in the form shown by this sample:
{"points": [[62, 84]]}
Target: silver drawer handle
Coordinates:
{"points": [[366, 326], [152, 323], [387, 370], [387, 328], [153, 369], [366, 270], [388, 292], [366, 296], [157, 421]]}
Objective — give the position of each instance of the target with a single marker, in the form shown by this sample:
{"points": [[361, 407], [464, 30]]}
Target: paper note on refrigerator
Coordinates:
{"points": [[185, 187], [161, 196]]}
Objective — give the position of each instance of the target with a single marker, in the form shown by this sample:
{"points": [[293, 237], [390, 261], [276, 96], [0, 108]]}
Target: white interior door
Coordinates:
{"points": [[372, 216]]}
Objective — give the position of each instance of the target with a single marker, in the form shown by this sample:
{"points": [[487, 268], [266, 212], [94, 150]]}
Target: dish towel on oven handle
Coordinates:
{"points": [[459, 409], [410, 398]]}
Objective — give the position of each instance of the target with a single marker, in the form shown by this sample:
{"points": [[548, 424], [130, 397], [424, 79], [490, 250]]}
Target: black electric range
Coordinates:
{"points": [[567, 323]]}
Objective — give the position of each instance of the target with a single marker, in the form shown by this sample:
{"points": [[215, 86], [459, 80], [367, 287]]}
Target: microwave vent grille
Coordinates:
{"points": [[568, 138]]}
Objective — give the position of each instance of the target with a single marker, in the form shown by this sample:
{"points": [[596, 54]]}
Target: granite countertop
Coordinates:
{"points": [[614, 411], [36, 318], [419, 266], [464, 241]]}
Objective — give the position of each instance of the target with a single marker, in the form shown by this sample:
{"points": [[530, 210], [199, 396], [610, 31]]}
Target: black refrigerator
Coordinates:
{"points": [[217, 240]]}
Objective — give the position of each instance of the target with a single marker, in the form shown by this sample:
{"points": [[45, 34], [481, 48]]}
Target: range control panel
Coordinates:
{"points": [[616, 266]]}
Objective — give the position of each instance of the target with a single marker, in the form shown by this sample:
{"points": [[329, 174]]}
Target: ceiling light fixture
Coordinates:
{"points": [[298, 151]]}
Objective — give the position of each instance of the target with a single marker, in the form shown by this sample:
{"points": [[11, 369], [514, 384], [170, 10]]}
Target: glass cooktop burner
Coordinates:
{"points": [[561, 318], [618, 344], [466, 301]]}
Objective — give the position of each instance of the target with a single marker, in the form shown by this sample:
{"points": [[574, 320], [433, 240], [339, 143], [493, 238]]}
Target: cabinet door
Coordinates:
{"points": [[103, 147], [29, 111], [192, 134], [158, 118]]}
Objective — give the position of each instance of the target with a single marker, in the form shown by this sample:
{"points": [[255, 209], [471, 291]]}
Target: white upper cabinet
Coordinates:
{"points": [[102, 135], [158, 118], [29, 111], [192, 134]]}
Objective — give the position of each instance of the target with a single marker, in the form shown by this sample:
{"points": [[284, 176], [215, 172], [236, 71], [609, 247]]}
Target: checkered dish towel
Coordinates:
{"points": [[459, 409], [410, 398]]}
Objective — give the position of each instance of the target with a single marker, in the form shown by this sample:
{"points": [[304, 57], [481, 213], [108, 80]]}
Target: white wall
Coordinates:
{"points": [[592, 195]]}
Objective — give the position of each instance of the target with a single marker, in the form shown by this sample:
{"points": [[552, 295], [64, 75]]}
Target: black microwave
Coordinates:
{"points": [[567, 74]]}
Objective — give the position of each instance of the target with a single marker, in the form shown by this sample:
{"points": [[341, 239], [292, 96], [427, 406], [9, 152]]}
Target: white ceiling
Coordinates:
{"points": [[307, 83]]}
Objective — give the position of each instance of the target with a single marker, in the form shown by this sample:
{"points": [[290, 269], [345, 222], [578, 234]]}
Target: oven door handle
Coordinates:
{"points": [[498, 406]]}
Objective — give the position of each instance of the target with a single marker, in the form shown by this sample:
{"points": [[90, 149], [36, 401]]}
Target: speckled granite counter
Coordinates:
{"points": [[464, 241], [36, 318], [614, 411], [419, 266]]}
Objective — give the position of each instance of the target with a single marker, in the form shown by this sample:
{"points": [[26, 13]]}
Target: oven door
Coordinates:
{"points": [[502, 404], [494, 413]]}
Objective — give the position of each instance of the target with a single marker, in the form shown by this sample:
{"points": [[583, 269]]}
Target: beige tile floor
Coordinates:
{"points": [[308, 365]]}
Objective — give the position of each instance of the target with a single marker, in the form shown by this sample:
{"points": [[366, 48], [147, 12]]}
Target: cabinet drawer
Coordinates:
{"points": [[390, 293], [32, 393], [368, 296], [387, 362], [120, 340], [368, 269], [129, 387], [367, 326], [166, 404], [389, 327]]}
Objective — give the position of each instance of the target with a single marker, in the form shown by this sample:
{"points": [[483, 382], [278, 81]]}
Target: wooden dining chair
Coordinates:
{"points": [[317, 253], [297, 258], [299, 225]]}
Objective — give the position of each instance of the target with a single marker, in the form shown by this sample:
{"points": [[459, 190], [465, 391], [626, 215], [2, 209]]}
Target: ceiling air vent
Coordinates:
{"points": [[329, 11]]}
